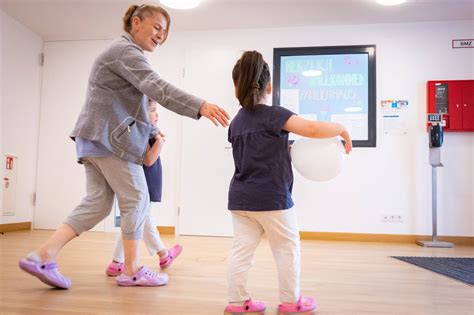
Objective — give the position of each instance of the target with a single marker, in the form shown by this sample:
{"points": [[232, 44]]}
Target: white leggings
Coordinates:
{"points": [[151, 237], [281, 229]]}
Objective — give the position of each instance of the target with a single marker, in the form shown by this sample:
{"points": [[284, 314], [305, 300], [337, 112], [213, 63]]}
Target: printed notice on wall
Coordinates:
{"points": [[9, 184], [394, 114]]}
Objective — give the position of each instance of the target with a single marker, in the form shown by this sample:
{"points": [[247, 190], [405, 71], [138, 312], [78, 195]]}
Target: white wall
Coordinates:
{"points": [[60, 179], [168, 60], [20, 83], [2, 43], [394, 177]]}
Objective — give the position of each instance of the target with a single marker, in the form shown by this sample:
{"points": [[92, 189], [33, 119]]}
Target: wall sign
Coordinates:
{"points": [[8, 206], [395, 116], [463, 43]]}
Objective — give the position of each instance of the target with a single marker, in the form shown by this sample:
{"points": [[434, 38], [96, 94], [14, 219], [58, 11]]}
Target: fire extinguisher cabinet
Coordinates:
{"points": [[454, 99]]}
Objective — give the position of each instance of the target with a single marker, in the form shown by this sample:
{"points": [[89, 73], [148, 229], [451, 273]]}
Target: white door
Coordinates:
{"points": [[206, 156], [60, 182]]}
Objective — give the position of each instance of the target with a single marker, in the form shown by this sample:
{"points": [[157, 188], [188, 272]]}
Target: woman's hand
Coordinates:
{"points": [[215, 114]]}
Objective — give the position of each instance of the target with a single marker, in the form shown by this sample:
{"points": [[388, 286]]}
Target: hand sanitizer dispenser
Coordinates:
{"points": [[435, 129]]}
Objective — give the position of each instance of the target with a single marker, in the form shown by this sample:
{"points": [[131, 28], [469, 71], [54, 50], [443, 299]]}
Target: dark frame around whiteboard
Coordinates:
{"points": [[368, 50]]}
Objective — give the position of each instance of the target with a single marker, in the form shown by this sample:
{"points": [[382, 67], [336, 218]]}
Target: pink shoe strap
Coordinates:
{"points": [[165, 259], [49, 265], [302, 304]]}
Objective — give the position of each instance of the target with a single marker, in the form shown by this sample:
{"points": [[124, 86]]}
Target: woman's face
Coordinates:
{"points": [[150, 32]]}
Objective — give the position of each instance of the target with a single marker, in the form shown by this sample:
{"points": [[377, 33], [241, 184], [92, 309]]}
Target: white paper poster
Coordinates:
{"points": [[394, 113]]}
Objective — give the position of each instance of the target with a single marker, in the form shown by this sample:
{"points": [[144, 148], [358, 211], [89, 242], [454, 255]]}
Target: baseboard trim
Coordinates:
{"points": [[386, 238], [12, 227], [166, 229]]}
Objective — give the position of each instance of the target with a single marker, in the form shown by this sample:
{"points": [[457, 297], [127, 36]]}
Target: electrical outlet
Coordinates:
{"points": [[391, 217]]}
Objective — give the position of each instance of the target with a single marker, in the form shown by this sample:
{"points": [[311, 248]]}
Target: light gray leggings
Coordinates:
{"points": [[106, 176]]}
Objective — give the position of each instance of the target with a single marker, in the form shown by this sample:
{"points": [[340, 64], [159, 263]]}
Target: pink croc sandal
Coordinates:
{"points": [[114, 269], [173, 253], [47, 272], [143, 278], [304, 306], [248, 308]]}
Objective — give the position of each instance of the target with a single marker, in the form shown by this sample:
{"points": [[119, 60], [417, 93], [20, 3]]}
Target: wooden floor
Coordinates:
{"points": [[344, 277]]}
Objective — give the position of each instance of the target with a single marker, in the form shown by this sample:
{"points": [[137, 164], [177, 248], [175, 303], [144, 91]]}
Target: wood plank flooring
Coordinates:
{"points": [[344, 277]]}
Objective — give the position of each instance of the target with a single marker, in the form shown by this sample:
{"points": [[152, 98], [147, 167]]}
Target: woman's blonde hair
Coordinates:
{"points": [[142, 11]]}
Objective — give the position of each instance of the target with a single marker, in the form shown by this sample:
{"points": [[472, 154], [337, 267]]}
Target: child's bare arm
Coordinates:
{"points": [[317, 129], [154, 151]]}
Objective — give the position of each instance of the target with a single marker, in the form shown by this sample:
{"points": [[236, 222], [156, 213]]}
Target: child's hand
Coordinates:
{"points": [[160, 137], [347, 141]]}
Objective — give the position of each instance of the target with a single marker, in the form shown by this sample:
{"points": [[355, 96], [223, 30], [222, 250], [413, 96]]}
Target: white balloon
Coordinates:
{"points": [[318, 159]]}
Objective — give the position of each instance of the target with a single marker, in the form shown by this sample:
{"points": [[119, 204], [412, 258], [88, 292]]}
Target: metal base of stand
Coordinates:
{"points": [[437, 244], [435, 162]]}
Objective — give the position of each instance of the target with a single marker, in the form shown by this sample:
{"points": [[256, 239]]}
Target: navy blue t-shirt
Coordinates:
{"points": [[263, 178], [154, 178]]}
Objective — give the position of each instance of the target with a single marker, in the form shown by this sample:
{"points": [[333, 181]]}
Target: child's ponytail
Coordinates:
{"points": [[251, 76]]}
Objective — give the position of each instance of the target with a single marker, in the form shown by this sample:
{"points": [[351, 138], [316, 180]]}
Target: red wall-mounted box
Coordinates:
{"points": [[455, 100]]}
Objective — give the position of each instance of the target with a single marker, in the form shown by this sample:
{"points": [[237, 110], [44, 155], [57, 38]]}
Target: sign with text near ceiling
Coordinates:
{"points": [[463, 43]]}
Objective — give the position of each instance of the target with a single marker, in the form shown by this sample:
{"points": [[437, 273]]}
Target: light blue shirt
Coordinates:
{"points": [[88, 148]]}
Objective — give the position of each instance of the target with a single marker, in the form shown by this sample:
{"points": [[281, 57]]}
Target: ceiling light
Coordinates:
{"points": [[391, 2], [181, 4]]}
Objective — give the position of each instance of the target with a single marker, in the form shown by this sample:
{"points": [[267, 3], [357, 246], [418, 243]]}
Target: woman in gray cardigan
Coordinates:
{"points": [[111, 136]]}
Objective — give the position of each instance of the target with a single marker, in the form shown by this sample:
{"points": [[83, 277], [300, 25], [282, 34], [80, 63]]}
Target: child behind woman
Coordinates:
{"points": [[153, 175], [260, 190]]}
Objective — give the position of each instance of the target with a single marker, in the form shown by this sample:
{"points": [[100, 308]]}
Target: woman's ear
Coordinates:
{"points": [[269, 88], [135, 21]]}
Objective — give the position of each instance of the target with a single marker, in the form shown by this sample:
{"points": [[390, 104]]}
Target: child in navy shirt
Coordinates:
{"points": [[260, 190]]}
